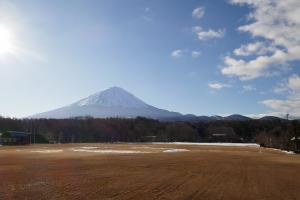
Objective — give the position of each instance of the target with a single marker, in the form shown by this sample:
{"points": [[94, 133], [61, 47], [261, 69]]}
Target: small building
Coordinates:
{"points": [[296, 142], [15, 138]]}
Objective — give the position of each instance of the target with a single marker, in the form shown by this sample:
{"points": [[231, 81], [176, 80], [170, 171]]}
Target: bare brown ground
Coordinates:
{"points": [[204, 172]]}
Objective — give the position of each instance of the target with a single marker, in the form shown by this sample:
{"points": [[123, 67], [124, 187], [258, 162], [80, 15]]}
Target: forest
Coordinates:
{"points": [[275, 133]]}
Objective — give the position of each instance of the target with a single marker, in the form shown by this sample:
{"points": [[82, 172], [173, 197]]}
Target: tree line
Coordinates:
{"points": [[276, 133]]}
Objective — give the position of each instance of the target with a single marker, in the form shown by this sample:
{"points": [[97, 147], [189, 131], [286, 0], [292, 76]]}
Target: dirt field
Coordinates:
{"points": [[154, 171]]}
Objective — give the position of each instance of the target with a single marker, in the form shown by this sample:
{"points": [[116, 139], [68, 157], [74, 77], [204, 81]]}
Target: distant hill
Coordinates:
{"points": [[237, 117]]}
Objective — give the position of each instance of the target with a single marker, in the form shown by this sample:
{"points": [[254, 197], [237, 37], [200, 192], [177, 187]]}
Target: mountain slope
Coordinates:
{"points": [[236, 117], [113, 102]]}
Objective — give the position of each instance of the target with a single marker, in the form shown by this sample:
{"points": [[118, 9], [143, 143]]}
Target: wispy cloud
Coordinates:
{"points": [[147, 15], [198, 12], [178, 53], [196, 54], [218, 85], [208, 34]]}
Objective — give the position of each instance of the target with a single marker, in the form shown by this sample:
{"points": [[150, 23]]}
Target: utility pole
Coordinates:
{"points": [[34, 132], [28, 130], [287, 129]]}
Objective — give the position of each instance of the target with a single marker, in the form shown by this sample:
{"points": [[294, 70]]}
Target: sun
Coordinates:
{"points": [[6, 41]]}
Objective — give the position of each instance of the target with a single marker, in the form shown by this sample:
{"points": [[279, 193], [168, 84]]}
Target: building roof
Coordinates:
{"points": [[18, 133]]}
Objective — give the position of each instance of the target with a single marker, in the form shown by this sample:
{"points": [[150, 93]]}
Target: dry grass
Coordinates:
{"points": [[204, 172]]}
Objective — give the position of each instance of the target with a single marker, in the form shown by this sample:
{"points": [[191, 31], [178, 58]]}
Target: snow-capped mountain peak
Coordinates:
{"points": [[112, 97]]}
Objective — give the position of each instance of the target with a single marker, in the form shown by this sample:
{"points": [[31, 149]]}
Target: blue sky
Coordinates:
{"points": [[204, 57]]}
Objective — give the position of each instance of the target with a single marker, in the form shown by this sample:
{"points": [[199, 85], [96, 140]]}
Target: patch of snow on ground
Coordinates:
{"points": [[175, 150], [283, 151], [47, 151], [107, 151], [287, 152], [89, 147], [214, 144], [114, 151], [155, 148]]}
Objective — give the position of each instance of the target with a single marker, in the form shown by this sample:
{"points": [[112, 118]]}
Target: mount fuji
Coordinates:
{"points": [[113, 102]]}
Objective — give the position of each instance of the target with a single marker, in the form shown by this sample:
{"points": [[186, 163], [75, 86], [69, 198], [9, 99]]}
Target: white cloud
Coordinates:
{"points": [[198, 12], [208, 34], [291, 104], [255, 68], [294, 83], [218, 86], [178, 53], [291, 85], [257, 48], [278, 22], [196, 54]]}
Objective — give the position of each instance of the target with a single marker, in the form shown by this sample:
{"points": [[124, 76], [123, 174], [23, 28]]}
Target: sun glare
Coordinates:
{"points": [[6, 41]]}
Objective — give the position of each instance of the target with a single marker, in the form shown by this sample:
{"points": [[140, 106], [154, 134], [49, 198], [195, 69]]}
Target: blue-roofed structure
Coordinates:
{"points": [[15, 138]]}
